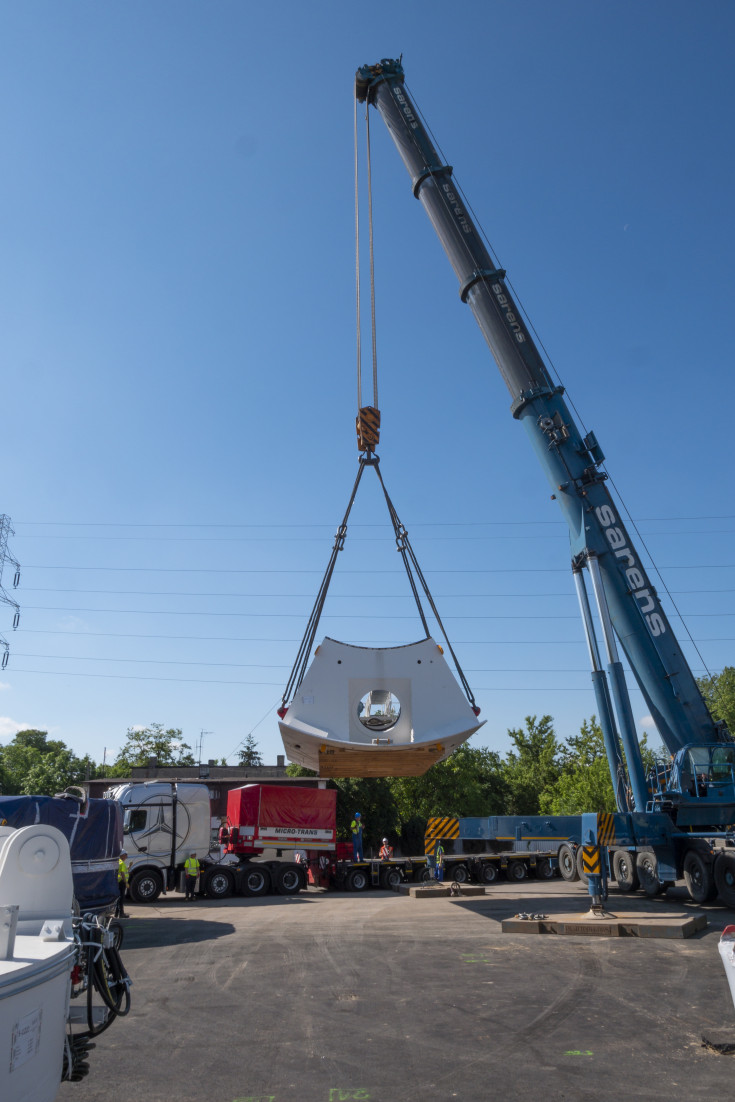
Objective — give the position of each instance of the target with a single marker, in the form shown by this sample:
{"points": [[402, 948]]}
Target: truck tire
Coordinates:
{"points": [[288, 880], [458, 874], [516, 871], [146, 886], [624, 870], [256, 881], [543, 869], [219, 884], [425, 875], [357, 880], [567, 863], [579, 858], [698, 876], [646, 864], [489, 872], [725, 878], [391, 879]]}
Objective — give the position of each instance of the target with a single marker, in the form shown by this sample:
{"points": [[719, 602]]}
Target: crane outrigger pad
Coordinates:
{"points": [[376, 711]]}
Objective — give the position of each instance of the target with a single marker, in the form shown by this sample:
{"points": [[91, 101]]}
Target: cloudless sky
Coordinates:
{"points": [[177, 345]]}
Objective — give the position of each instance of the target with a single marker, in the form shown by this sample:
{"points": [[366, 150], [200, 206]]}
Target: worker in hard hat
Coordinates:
{"points": [[439, 862], [192, 868], [356, 828], [386, 851], [123, 877]]}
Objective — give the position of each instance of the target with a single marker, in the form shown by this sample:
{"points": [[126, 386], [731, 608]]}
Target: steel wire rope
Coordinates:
{"points": [[405, 548], [302, 656], [357, 268], [549, 361]]}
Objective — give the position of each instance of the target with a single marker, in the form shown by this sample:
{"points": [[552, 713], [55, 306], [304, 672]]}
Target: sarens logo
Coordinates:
{"points": [[405, 107], [504, 303], [456, 206], [633, 573]]}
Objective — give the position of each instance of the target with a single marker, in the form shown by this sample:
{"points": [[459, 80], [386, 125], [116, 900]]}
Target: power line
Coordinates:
{"points": [[328, 524], [330, 616], [319, 571], [566, 594]]}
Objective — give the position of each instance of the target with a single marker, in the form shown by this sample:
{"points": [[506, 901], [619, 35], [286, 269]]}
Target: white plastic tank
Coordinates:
{"points": [[727, 953], [36, 890]]}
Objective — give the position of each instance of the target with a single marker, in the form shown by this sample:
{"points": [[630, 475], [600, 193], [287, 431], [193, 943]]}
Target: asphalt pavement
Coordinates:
{"points": [[330, 997]]}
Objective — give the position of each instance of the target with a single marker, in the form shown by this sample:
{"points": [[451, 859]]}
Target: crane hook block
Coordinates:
{"points": [[367, 424]]}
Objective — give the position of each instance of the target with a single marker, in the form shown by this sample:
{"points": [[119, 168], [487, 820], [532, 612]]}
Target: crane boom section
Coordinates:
{"points": [[571, 462]]}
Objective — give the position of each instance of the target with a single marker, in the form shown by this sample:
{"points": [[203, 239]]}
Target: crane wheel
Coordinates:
{"points": [[725, 878], [646, 864], [698, 876], [567, 863], [624, 870]]}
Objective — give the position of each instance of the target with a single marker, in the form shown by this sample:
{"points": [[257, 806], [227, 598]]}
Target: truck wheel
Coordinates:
{"points": [[256, 881], [288, 881], [516, 871], [460, 874], [356, 880], [543, 870], [489, 872], [725, 878], [425, 876], [391, 879], [624, 870], [579, 858], [145, 887], [646, 864], [218, 884], [699, 880], [567, 863]]}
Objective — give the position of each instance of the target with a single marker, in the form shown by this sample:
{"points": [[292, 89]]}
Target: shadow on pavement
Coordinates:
{"points": [[149, 933]]}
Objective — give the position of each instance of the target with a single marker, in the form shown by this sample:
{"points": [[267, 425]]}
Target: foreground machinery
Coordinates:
{"points": [[676, 821]]}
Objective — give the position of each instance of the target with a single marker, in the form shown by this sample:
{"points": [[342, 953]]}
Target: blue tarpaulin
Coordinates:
{"points": [[94, 831]]}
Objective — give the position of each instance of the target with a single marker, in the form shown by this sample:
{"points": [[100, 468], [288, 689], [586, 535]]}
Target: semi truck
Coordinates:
{"points": [[678, 821], [164, 823]]}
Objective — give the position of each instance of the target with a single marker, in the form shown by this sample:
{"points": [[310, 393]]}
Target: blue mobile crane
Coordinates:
{"points": [[676, 820]]}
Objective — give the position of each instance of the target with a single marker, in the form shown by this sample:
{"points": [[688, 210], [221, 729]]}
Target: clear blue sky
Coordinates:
{"points": [[177, 344]]}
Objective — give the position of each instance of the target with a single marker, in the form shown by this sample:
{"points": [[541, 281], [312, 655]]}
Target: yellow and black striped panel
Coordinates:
{"points": [[605, 828], [368, 427], [439, 828], [591, 861]]}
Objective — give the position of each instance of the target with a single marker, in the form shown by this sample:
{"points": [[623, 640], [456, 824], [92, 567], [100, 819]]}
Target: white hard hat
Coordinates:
{"points": [[385, 841]]}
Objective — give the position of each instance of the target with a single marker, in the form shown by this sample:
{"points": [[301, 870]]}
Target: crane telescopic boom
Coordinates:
{"points": [[627, 603]]}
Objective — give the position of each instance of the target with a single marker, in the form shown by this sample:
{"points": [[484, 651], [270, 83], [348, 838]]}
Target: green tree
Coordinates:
{"points": [[469, 782], [534, 767], [249, 755], [167, 746], [34, 765], [718, 691], [584, 783]]}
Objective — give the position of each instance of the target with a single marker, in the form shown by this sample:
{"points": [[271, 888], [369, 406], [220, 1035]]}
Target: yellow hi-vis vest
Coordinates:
{"points": [[122, 872], [191, 866]]}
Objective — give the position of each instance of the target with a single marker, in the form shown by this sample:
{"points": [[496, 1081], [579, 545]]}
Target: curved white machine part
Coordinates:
{"points": [[376, 712], [35, 874], [36, 887]]}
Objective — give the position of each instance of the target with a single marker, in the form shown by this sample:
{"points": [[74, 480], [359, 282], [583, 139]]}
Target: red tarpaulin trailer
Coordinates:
{"points": [[261, 816]]}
